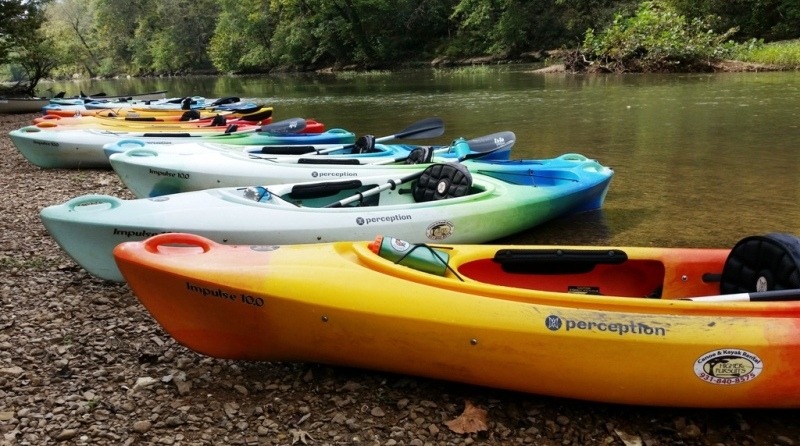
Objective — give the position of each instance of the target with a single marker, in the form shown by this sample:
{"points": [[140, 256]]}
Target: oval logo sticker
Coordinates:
{"points": [[728, 366]]}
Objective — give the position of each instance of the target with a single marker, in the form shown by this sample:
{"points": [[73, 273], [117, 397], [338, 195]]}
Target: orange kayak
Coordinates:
{"points": [[604, 323]]}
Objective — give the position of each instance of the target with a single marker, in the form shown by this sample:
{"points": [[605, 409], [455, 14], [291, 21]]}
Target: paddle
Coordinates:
{"points": [[484, 145], [760, 296], [487, 143], [474, 148], [390, 184], [425, 128], [294, 125]]}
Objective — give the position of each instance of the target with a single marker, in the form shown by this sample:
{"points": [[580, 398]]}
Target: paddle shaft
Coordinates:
{"points": [[425, 128], [762, 296], [391, 184]]}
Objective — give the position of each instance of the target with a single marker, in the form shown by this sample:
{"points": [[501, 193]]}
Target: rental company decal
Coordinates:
{"points": [[728, 366], [439, 230]]}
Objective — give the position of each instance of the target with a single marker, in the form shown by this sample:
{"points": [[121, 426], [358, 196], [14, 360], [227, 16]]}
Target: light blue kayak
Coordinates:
{"points": [[441, 202]]}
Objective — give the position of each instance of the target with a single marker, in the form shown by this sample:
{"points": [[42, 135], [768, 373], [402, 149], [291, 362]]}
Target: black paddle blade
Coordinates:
{"points": [[294, 125], [257, 116], [495, 141], [426, 128]]}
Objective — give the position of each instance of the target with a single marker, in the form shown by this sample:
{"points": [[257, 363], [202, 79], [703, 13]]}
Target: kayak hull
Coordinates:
{"points": [[150, 171], [88, 227], [83, 148], [361, 310]]}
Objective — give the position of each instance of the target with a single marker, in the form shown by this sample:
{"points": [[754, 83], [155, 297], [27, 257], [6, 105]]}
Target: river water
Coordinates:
{"points": [[700, 159]]}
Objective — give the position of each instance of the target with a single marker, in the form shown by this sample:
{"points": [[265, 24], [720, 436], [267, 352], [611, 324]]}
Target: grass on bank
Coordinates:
{"points": [[785, 53]]}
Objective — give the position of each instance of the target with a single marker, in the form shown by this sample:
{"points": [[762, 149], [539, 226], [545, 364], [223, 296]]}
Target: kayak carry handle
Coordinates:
{"points": [[127, 144], [141, 152], [573, 157], [93, 203], [177, 241]]}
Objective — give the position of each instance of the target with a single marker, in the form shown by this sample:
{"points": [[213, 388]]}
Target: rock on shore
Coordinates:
{"points": [[82, 362]]}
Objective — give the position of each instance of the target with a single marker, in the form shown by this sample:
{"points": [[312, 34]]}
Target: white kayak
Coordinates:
{"points": [[150, 171], [441, 202], [83, 148]]}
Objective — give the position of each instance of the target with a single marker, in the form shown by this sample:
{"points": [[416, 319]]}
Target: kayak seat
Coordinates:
{"points": [[762, 263], [323, 160], [441, 181], [287, 150], [167, 135], [556, 261], [189, 115], [420, 155], [218, 121], [136, 118], [324, 189], [364, 144]]}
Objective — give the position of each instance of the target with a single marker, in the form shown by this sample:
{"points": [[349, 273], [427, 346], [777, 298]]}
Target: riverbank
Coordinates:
{"points": [[82, 362]]}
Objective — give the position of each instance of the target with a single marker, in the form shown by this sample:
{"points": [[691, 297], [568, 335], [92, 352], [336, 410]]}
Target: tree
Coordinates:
{"points": [[70, 24], [510, 27], [23, 44], [655, 39], [116, 23], [241, 40], [763, 19]]}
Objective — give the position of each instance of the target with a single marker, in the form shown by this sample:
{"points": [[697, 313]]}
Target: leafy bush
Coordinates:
{"points": [[655, 39], [784, 54]]}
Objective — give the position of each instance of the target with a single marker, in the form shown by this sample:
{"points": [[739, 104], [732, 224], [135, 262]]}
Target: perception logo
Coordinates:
{"points": [[555, 323], [552, 322], [383, 219], [314, 174]]}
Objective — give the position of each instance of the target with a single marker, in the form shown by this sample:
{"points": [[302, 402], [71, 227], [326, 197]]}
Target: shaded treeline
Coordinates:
{"points": [[143, 37]]}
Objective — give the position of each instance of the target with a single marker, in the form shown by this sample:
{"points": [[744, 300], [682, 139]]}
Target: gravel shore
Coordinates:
{"points": [[82, 362]]}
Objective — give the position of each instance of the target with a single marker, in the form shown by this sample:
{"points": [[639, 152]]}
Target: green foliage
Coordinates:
{"points": [[69, 27], [785, 53], [656, 38], [761, 19], [143, 37], [23, 44], [241, 39], [370, 74], [19, 23], [511, 27]]}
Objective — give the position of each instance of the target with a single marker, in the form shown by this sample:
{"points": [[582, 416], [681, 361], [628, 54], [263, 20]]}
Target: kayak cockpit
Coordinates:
{"points": [[580, 271]]}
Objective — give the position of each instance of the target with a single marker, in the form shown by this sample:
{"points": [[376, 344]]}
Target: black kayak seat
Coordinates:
{"points": [[287, 150], [324, 189], [167, 135], [555, 260], [762, 263], [138, 119], [442, 181], [324, 160]]}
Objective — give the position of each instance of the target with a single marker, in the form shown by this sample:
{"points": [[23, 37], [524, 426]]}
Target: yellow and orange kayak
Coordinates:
{"points": [[608, 324], [107, 119]]}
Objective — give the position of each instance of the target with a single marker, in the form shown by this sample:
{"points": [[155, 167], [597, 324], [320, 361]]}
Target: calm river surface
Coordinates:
{"points": [[700, 160]]}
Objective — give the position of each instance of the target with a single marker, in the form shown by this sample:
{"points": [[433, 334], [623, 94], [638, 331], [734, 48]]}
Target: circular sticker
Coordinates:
{"points": [[439, 230], [728, 366]]}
